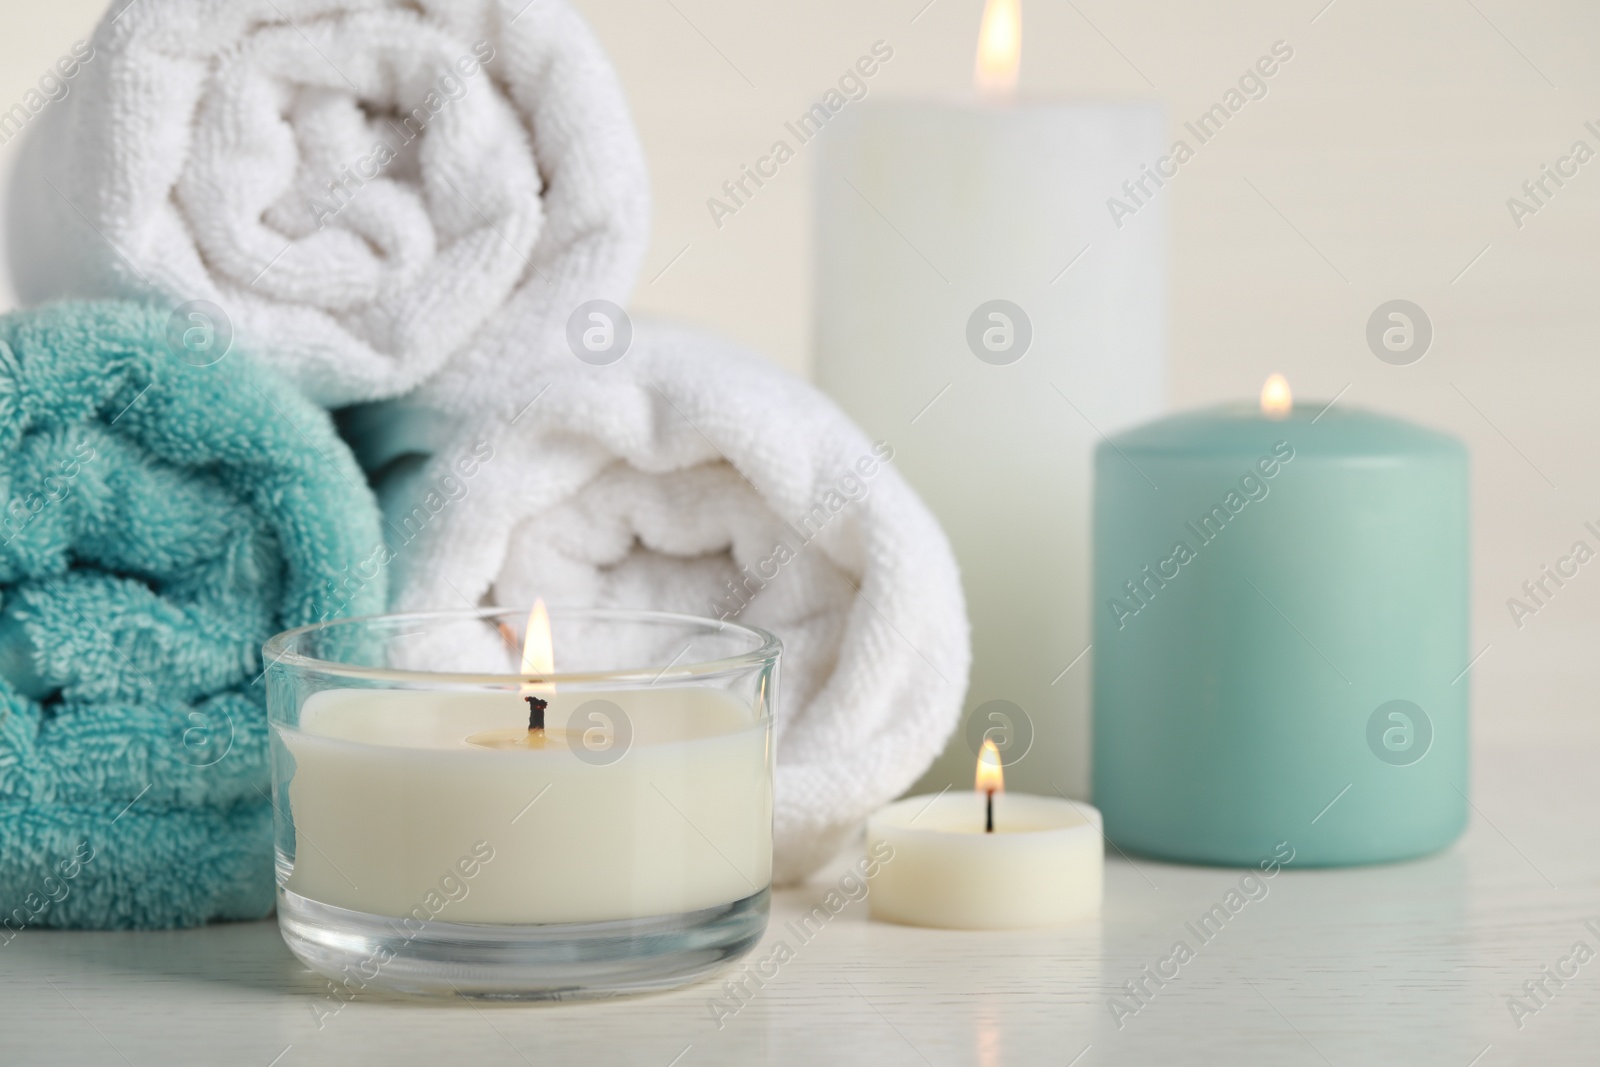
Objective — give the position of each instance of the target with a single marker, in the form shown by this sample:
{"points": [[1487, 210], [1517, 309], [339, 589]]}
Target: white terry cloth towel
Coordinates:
{"points": [[368, 185], [692, 477]]}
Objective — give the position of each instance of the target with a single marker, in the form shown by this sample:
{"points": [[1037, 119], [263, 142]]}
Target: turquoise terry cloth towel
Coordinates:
{"points": [[161, 520]]}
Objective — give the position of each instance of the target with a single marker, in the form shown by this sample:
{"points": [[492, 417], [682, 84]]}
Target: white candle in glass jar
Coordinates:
{"points": [[390, 793]]}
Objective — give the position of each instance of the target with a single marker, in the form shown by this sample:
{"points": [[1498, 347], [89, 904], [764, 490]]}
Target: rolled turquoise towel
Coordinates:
{"points": [[160, 521]]}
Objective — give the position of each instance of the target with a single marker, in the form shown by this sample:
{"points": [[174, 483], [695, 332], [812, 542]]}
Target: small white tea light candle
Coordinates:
{"points": [[1042, 863]]}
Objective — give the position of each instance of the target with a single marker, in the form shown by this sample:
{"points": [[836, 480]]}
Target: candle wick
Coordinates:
{"points": [[536, 708], [988, 812]]}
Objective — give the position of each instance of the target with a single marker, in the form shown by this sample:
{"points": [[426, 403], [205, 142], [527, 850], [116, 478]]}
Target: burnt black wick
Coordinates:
{"points": [[536, 708]]}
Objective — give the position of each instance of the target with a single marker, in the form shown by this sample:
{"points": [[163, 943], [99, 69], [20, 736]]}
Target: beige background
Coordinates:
{"points": [[1383, 157]]}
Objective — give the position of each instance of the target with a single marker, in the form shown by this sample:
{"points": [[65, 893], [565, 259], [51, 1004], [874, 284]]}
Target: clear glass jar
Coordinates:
{"points": [[454, 815]]}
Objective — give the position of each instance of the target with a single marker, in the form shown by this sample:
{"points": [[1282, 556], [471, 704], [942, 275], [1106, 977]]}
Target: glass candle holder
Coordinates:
{"points": [[455, 816]]}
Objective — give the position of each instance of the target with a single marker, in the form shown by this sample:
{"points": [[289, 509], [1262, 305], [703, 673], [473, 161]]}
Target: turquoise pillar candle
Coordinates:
{"points": [[1280, 640]]}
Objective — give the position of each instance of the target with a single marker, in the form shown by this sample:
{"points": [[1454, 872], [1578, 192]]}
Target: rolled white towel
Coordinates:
{"points": [[692, 477], [369, 185]]}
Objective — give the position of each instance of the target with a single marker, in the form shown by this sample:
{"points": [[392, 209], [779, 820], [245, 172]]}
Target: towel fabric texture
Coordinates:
{"points": [[418, 209], [370, 188], [692, 477], [161, 521]]}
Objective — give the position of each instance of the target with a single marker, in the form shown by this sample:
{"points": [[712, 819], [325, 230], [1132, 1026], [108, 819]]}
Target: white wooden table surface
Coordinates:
{"points": [[1408, 964]]}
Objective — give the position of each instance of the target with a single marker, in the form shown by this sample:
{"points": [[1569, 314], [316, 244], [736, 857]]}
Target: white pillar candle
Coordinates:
{"points": [[389, 794], [925, 211], [1042, 866]]}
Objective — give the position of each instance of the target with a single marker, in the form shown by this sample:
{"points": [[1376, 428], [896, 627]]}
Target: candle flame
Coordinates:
{"points": [[999, 48], [538, 663], [538, 648], [991, 775], [1276, 400]]}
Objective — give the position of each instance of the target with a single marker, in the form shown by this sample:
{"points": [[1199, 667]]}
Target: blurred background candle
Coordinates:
{"points": [[977, 307], [1281, 635]]}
